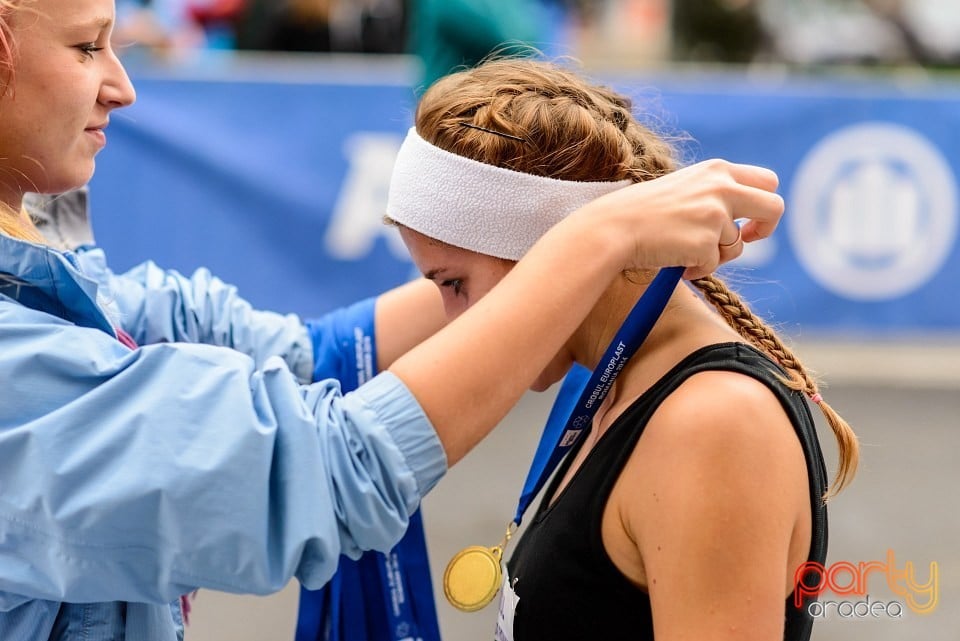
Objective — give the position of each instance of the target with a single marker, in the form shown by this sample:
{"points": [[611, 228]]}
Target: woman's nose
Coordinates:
{"points": [[117, 90]]}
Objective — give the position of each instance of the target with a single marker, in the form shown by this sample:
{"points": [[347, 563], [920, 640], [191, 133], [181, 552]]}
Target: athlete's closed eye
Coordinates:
{"points": [[454, 283]]}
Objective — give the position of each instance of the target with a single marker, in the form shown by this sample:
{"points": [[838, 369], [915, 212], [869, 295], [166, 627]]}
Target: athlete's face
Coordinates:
{"points": [[464, 277]]}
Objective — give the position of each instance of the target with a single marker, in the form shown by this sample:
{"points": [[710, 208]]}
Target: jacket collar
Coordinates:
{"points": [[63, 219], [48, 280]]}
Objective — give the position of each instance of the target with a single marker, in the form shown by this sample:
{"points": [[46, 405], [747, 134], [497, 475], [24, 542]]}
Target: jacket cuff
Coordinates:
{"points": [[400, 412]]}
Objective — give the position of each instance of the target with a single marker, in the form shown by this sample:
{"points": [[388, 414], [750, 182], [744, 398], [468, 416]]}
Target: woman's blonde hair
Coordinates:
{"points": [[12, 222], [8, 47], [18, 225], [540, 118], [6, 39]]}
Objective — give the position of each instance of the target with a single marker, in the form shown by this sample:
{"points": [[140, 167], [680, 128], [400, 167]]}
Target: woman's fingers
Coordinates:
{"points": [[755, 200], [687, 217], [732, 232], [745, 192], [754, 176], [762, 213], [733, 248]]}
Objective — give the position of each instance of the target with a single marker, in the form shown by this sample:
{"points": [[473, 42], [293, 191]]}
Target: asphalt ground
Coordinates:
{"points": [[903, 400]]}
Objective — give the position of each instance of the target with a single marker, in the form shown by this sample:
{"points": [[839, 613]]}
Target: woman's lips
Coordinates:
{"points": [[98, 134]]}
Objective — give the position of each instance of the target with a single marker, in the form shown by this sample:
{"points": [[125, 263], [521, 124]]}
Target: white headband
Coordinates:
{"points": [[470, 204]]}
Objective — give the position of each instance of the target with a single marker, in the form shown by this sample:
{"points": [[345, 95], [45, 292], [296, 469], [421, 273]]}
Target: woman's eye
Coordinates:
{"points": [[89, 48], [454, 283]]}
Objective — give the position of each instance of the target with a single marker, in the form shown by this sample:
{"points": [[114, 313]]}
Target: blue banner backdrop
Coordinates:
{"points": [[275, 178]]}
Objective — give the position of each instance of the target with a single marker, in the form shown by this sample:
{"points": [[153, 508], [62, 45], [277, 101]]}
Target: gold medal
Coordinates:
{"points": [[473, 576]]}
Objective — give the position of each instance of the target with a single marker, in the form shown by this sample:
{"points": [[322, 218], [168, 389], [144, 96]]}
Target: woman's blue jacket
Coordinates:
{"points": [[202, 459]]}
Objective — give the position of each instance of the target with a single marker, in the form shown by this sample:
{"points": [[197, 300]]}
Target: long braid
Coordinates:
{"points": [[739, 317]]}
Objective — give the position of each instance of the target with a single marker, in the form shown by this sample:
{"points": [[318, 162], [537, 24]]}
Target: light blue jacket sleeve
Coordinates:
{"points": [[143, 475], [155, 305]]}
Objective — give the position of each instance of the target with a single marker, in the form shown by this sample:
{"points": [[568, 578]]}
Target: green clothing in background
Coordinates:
{"points": [[450, 34]]}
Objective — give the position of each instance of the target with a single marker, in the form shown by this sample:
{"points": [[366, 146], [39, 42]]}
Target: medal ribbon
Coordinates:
{"points": [[387, 597], [582, 392], [406, 589]]}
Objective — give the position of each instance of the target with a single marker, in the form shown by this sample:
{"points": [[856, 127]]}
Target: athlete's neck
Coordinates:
{"points": [[685, 325]]}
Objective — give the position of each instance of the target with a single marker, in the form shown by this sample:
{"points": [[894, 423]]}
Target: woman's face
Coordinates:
{"points": [[66, 82], [464, 277]]}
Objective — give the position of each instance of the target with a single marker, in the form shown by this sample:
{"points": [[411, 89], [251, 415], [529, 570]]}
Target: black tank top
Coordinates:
{"points": [[568, 587]]}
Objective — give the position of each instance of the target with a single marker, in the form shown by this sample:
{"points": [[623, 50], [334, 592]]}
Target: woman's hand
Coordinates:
{"points": [[686, 218]]}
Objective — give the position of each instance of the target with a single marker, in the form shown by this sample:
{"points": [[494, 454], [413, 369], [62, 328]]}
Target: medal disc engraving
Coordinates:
{"points": [[472, 578]]}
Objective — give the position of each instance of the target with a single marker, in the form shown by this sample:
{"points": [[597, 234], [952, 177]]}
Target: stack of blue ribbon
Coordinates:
{"points": [[379, 597]]}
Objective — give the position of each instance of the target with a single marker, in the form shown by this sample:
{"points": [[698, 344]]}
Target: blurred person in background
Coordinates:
{"points": [[172, 29], [220, 20], [345, 26], [159, 27], [446, 35], [910, 22], [922, 33], [730, 31]]}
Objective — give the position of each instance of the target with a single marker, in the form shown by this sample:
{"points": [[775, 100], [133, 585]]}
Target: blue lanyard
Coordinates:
{"points": [[582, 392]]}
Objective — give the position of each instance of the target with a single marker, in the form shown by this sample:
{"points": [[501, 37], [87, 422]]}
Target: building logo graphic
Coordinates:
{"points": [[872, 212]]}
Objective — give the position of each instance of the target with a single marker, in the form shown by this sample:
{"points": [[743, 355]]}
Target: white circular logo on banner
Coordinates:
{"points": [[873, 211]]}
